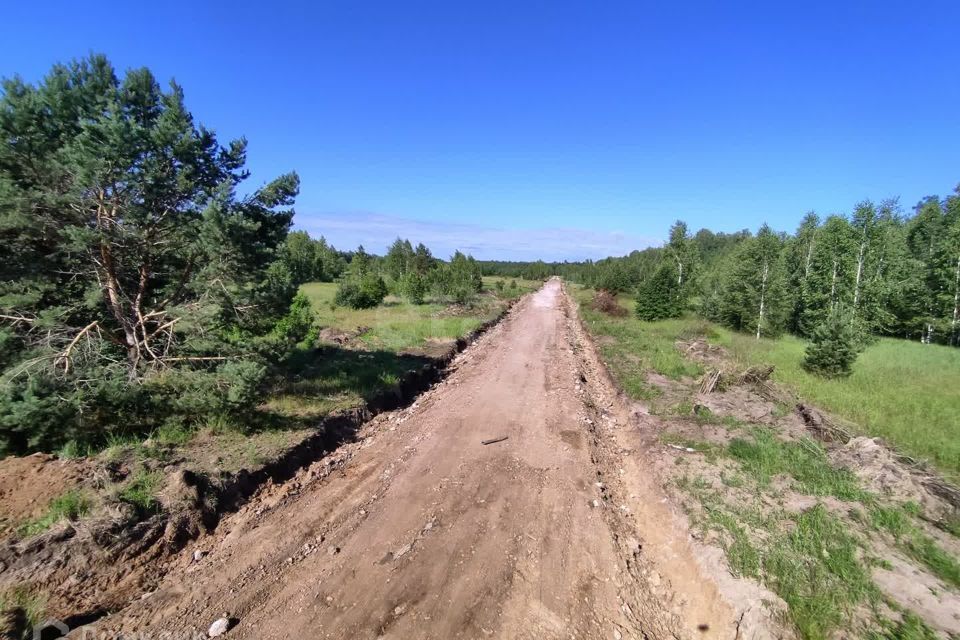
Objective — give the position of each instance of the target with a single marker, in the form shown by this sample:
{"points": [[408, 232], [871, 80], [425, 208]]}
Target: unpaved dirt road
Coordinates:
{"points": [[421, 531]]}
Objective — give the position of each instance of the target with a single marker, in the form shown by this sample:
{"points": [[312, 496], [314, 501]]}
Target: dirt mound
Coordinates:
{"points": [[28, 484], [332, 335], [882, 472], [607, 303]]}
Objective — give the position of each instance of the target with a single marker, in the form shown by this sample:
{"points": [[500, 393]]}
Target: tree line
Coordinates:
{"points": [[410, 273], [889, 272]]}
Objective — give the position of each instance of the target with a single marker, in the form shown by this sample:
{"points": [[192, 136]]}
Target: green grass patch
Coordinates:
{"points": [[763, 455], [398, 326], [72, 505], [140, 491], [632, 348], [905, 392], [816, 570], [910, 627]]}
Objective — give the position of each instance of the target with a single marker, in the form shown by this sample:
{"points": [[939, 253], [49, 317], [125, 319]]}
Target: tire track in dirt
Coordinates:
{"points": [[420, 531]]}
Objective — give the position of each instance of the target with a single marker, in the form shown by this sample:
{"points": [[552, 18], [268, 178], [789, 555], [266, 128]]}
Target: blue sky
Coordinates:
{"points": [[547, 129]]}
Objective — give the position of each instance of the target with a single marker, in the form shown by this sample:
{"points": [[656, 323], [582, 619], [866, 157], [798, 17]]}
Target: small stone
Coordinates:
{"points": [[596, 504], [402, 551], [617, 635], [219, 627], [198, 555], [428, 526], [333, 550]]}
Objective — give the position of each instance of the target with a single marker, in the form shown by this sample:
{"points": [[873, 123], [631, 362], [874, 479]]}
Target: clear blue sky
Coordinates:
{"points": [[553, 129]]}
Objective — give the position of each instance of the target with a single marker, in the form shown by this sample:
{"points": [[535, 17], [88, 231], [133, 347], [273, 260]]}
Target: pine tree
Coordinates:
{"points": [[799, 262], [834, 345], [753, 297], [656, 295], [131, 266]]}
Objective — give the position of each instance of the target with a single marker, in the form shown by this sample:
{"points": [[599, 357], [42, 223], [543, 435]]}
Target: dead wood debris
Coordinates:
{"points": [[494, 440]]}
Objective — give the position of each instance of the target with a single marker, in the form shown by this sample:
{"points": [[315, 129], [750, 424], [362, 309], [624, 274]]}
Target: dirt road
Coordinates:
{"points": [[422, 531]]}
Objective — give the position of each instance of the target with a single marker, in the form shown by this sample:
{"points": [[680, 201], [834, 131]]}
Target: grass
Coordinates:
{"points": [[31, 603], [398, 326], [897, 521], [72, 505], [764, 456], [817, 561], [632, 348], [815, 568], [810, 559], [140, 490], [905, 392]]}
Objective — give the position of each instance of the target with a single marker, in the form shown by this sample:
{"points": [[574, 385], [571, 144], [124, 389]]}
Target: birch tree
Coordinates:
{"points": [[753, 297]]}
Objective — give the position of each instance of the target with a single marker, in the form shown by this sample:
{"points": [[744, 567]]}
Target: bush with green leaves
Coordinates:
{"points": [[413, 287], [834, 345], [363, 292]]}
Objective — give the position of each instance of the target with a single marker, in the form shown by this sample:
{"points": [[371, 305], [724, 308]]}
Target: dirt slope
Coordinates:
{"points": [[421, 531]]}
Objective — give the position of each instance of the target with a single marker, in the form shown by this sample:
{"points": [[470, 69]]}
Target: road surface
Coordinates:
{"points": [[421, 531]]}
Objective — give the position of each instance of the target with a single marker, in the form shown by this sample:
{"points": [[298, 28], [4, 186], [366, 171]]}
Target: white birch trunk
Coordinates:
{"points": [[856, 288], [956, 304], [763, 290], [833, 286]]}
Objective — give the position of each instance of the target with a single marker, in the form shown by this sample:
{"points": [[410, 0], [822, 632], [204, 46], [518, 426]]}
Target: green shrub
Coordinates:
{"points": [[657, 297], [362, 292], [413, 287]]}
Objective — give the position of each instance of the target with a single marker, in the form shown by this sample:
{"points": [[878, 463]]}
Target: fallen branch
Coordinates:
{"points": [[493, 440], [710, 381]]}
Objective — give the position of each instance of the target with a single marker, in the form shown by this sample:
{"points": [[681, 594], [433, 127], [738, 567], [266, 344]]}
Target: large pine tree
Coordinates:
{"points": [[128, 249]]}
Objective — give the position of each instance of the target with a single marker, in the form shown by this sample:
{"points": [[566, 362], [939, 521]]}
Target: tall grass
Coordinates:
{"points": [[398, 325], [905, 392]]}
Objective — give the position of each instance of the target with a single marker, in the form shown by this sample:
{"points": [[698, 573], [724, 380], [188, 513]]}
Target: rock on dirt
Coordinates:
{"points": [[219, 627]]}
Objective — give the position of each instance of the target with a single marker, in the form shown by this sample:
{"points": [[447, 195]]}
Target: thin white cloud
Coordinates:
{"points": [[375, 232]]}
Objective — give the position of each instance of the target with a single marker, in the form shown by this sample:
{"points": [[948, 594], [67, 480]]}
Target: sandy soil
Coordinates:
{"points": [[422, 531]]}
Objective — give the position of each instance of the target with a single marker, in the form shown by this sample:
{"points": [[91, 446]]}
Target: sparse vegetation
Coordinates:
{"points": [[812, 557], [72, 505], [140, 490]]}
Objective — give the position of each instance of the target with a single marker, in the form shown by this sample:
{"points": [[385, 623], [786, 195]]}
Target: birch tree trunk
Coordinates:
{"points": [[856, 287], [763, 291], [833, 286], [956, 305]]}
